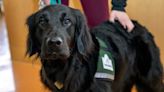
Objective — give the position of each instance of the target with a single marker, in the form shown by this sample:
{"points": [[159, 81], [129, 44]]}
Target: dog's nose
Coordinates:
{"points": [[57, 41]]}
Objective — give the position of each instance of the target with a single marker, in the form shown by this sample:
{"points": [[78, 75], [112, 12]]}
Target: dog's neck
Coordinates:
{"points": [[67, 74]]}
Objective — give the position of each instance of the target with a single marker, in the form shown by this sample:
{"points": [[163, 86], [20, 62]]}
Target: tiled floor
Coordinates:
{"points": [[6, 72]]}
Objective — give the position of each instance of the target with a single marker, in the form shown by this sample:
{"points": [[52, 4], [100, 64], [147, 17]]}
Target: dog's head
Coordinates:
{"points": [[55, 30]]}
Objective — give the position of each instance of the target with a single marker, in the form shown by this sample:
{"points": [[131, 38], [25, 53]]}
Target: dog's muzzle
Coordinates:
{"points": [[56, 42], [55, 48]]}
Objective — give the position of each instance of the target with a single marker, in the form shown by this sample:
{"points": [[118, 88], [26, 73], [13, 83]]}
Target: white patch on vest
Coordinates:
{"points": [[107, 62]]}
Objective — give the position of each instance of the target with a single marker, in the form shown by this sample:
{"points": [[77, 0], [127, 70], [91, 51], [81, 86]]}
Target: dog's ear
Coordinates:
{"points": [[32, 43], [83, 37]]}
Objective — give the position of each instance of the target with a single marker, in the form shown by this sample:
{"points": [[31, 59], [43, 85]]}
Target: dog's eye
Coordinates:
{"points": [[67, 22], [43, 21]]}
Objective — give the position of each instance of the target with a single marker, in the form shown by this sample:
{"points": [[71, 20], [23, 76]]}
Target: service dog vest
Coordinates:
{"points": [[106, 64]]}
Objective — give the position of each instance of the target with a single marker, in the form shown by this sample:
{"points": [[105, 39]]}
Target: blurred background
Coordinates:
{"points": [[19, 73]]}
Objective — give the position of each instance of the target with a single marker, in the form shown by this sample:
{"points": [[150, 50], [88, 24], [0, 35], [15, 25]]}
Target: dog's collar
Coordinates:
{"points": [[59, 85], [106, 65]]}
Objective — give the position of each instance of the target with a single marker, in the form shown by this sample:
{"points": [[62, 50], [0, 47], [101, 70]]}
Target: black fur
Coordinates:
{"points": [[72, 59]]}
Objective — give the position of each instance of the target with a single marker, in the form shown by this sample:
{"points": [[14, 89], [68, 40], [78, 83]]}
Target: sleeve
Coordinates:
{"points": [[119, 5]]}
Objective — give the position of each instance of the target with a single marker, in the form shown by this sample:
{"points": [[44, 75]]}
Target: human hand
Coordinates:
{"points": [[123, 18]]}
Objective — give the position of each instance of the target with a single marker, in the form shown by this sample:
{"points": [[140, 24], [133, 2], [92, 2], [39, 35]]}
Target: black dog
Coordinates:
{"points": [[70, 54]]}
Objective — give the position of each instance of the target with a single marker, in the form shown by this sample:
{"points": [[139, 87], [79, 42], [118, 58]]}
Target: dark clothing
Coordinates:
{"points": [[97, 11], [118, 5]]}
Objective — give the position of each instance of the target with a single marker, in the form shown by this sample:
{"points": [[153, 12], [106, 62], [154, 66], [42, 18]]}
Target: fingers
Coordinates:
{"points": [[123, 18], [112, 17], [130, 26], [127, 24], [123, 23]]}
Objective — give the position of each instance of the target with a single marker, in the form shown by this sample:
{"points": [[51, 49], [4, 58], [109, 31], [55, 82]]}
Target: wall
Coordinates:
{"points": [[16, 12], [149, 13]]}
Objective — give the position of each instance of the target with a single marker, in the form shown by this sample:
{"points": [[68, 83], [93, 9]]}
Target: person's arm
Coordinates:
{"points": [[118, 13]]}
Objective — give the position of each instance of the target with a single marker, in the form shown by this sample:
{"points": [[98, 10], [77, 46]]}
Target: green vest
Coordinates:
{"points": [[106, 65]]}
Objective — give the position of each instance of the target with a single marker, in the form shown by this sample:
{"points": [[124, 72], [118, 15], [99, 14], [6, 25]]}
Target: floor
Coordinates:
{"points": [[6, 72]]}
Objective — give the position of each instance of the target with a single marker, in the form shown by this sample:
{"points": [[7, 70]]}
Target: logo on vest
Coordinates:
{"points": [[107, 62]]}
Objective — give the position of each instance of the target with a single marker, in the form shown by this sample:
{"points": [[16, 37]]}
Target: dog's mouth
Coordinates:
{"points": [[53, 52], [56, 55]]}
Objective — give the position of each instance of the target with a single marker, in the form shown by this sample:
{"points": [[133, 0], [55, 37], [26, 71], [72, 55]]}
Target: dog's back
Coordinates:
{"points": [[139, 50]]}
